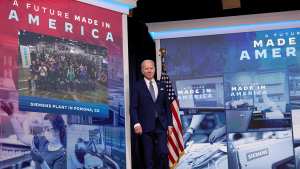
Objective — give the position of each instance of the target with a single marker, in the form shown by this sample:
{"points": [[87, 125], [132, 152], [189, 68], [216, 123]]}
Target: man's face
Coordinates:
{"points": [[148, 70], [33, 63]]}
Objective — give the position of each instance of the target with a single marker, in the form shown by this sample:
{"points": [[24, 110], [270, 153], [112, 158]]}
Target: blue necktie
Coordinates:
{"points": [[152, 91], [152, 94]]}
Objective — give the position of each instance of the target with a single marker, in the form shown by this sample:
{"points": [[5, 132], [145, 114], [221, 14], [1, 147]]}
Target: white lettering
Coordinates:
{"points": [[52, 23], [77, 18], [44, 9], [258, 44], [93, 33], [281, 42], [15, 3], [67, 15], [276, 52], [68, 27], [292, 41], [82, 30], [33, 20], [290, 51], [270, 42], [244, 55], [261, 54], [38, 8], [109, 37], [13, 14]]}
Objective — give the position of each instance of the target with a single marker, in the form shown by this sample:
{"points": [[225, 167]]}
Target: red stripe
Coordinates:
{"points": [[173, 146], [171, 158], [175, 114], [180, 148], [178, 141]]}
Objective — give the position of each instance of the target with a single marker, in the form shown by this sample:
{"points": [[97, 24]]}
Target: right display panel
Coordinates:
{"points": [[239, 98]]}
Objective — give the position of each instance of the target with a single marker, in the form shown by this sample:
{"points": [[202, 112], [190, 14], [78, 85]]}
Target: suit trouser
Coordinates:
{"points": [[148, 139]]}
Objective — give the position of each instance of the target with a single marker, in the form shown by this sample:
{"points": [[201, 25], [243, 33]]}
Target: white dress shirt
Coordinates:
{"points": [[155, 92], [154, 86]]}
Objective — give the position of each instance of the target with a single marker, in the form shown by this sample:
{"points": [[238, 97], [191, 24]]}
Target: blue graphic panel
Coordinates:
{"points": [[36, 104]]}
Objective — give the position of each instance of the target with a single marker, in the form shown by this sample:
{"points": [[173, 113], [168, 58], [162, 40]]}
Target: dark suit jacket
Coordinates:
{"points": [[142, 106]]}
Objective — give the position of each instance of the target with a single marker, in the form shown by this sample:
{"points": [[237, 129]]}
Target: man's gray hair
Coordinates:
{"points": [[148, 60]]}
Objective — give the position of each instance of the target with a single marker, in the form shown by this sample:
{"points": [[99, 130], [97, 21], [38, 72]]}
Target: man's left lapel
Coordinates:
{"points": [[159, 86]]}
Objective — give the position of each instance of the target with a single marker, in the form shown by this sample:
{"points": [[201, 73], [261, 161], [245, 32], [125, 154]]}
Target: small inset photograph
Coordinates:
{"points": [[92, 146], [29, 138], [272, 103], [239, 90], [249, 120], [296, 134], [58, 68], [265, 92], [253, 150], [204, 93], [205, 141], [294, 87]]}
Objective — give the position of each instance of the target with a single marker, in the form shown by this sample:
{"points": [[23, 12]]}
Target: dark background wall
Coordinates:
{"points": [[141, 45]]}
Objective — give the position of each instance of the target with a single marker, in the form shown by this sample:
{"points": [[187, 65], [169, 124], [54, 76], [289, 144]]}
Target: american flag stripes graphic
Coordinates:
{"points": [[175, 141]]}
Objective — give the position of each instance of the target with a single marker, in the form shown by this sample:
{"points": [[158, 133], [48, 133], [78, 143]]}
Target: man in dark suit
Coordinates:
{"points": [[151, 115]]}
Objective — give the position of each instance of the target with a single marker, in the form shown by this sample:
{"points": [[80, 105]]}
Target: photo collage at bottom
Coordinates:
{"points": [[233, 139], [27, 137]]}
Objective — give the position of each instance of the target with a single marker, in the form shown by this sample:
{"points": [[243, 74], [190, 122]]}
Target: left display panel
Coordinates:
{"points": [[61, 86]]}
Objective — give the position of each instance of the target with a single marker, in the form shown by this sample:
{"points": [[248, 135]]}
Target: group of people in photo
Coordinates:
{"points": [[59, 71]]}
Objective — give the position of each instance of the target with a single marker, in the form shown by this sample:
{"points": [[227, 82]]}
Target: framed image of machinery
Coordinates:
{"points": [[260, 149]]}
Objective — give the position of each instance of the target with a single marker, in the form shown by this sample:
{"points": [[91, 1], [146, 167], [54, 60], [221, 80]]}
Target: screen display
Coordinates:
{"points": [[200, 93], [61, 86], [251, 78]]}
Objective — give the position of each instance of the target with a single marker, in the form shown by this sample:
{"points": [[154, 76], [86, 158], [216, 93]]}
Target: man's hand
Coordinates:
{"points": [[138, 130], [217, 134], [169, 132]]}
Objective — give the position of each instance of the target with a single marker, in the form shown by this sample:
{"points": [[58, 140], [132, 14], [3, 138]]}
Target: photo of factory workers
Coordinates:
{"points": [[58, 68], [261, 150], [205, 141], [91, 146], [30, 139], [296, 136]]}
